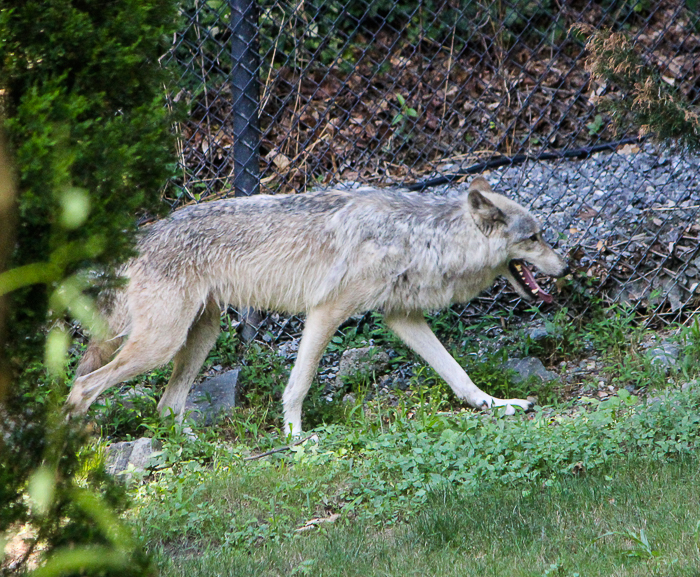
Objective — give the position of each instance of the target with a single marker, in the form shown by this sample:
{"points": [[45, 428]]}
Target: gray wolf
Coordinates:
{"points": [[329, 254]]}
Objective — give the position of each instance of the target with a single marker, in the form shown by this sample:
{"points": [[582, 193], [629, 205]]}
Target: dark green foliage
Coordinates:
{"points": [[433, 20], [645, 100], [265, 381], [85, 109], [85, 116], [331, 31]]}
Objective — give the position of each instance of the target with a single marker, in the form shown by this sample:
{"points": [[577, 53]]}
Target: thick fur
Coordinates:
{"points": [[329, 254]]}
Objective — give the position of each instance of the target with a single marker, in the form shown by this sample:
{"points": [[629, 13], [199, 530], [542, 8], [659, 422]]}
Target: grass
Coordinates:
{"points": [[420, 487], [554, 530], [610, 491]]}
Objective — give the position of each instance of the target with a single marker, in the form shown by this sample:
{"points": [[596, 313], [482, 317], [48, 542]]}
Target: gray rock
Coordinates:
{"points": [[530, 367], [132, 394], [362, 361], [664, 355], [539, 333], [252, 320], [288, 350], [139, 453], [211, 397], [142, 453], [117, 457]]}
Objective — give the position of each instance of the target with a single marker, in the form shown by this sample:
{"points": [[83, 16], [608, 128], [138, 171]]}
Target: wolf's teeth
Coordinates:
{"points": [[535, 290], [518, 268]]}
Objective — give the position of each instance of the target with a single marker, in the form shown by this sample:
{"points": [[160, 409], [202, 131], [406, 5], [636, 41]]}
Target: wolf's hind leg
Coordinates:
{"points": [[97, 355], [189, 359], [152, 343], [415, 332], [321, 324]]}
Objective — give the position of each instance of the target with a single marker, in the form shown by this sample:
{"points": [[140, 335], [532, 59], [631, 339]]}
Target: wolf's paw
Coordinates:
{"points": [[77, 403], [489, 402]]}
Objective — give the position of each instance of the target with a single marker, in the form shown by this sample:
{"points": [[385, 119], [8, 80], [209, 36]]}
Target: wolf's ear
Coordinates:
{"points": [[480, 184], [486, 214]]}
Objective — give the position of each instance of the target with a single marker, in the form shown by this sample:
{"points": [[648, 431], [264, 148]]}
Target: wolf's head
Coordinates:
{"points": [[506, 221]]}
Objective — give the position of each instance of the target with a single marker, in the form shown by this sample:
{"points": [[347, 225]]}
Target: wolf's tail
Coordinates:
{"points": [[114, 307]]}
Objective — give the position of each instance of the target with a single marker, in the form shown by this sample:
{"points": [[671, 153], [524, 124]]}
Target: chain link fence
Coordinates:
{"points": [[416, 92]]}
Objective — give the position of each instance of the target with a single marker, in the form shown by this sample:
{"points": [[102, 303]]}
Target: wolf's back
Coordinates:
{"points": [[267, 252], [291, 253]]}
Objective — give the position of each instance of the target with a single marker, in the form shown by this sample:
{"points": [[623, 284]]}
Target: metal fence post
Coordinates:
{"points": [[245, 96]]}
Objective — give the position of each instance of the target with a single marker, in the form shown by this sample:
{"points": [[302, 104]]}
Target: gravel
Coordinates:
{"points": [[627, 220]]}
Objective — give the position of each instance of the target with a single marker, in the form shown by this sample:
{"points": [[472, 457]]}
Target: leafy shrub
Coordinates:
{"points": [[85, 118], [87, 122], [644, 101], [386, 473]]}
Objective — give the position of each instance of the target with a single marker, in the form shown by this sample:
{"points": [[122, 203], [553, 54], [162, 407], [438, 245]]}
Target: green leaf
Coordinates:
{"points": [[595, 126]]}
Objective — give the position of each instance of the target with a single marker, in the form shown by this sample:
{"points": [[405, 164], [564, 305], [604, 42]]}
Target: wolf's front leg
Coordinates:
{"points": [[321, 324], [415, 332]]}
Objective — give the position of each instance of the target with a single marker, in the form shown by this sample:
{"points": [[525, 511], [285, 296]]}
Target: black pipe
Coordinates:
{"points": [[519, 159], [245, 96]]}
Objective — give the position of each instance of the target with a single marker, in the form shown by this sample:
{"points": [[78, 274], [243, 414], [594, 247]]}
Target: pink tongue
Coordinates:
{"points": [[530, 280]]}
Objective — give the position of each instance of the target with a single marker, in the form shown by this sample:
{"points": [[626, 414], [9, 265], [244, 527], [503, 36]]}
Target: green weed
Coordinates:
{"points": [[384, 472], [641, 549], [566, 339], [613, 329], [487, 530]]}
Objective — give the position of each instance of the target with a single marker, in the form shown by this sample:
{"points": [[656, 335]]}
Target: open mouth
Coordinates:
{"points": [[525, 279]]}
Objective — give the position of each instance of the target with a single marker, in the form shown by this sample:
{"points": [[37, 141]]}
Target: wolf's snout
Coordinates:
{"points": [[564, 269]]}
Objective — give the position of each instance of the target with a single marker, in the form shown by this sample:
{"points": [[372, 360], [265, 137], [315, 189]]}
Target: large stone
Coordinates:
{"points": [[665, 355], [539, 333], [142, 453], [212, 397], [528, 368], [363, 362], [139, 454], [251, 321], [117, 457]]}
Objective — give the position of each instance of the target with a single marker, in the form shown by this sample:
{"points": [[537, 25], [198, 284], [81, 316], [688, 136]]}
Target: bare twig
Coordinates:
{"points": [[200, 45], [279, 449], [267, 90]]}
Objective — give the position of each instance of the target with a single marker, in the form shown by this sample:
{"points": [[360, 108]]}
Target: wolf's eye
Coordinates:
{"points": [[533, 238]]}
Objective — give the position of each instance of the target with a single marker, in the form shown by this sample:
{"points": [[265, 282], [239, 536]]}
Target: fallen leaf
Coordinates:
{"points": [[280, 160], [628, 149], [313, 523]]}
